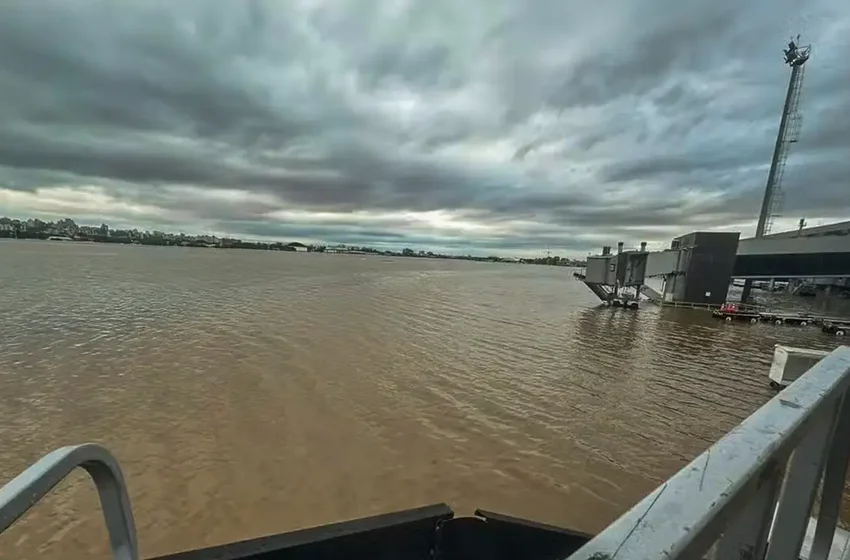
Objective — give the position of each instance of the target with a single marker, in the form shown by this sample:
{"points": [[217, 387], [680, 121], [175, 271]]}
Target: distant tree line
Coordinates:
{"points": [[160, 239]]}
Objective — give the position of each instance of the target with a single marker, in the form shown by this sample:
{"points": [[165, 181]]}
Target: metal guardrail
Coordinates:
{"points": [[751, 494], [22, 492]]}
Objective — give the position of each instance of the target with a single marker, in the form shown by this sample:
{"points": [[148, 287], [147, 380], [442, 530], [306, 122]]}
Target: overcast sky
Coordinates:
{"points": [[507, 126]]}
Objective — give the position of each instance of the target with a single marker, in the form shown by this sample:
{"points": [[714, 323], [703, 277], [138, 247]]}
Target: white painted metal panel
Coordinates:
{"points": [[601, 269]]}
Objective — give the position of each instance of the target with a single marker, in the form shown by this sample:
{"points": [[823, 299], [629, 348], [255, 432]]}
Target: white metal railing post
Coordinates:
{"points": [[747, 534], [833, 484], [724, 498], [23, 491], [805, 469]]}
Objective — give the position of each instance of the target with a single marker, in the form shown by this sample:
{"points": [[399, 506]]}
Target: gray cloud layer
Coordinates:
{"points": [[496, 123]]}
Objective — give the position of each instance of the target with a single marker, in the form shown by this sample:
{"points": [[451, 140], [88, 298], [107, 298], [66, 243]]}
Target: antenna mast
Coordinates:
{"points": [[789, 132]]}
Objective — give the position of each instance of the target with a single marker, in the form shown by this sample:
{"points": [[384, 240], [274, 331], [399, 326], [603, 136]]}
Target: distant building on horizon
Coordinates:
{"points": [[300, 247]]}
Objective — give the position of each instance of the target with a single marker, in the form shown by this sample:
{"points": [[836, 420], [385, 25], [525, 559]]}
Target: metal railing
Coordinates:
{"points": [[751, 494], [22, 492]]}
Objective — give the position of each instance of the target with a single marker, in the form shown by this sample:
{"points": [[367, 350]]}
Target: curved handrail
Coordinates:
{"points": [[23, 491]]}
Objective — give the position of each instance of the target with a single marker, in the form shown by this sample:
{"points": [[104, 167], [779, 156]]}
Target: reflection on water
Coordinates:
{"points": [[247, 393]]}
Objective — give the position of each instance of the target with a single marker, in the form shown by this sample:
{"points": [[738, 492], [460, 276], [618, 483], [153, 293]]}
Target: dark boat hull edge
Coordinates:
{"points": [[427, 533]]}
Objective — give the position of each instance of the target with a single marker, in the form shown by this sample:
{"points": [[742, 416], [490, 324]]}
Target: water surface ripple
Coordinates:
{"points": [[249, 392]]}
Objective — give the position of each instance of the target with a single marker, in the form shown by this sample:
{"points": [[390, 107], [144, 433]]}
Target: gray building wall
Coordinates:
{"points": [[708, 259]]}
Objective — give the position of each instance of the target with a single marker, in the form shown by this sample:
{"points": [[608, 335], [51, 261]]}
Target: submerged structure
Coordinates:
{"points": [[696, 269], [617, 278]]}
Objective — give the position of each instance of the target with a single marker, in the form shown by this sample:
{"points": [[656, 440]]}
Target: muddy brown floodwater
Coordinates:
{"points": [[249, 392]]}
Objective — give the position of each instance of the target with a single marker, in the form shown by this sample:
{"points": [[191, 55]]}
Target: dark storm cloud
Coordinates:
{"points": [[552, 124]]}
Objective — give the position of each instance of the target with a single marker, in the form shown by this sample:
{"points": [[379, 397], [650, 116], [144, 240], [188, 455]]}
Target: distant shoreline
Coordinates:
{"points": [[277, 246], [161, 242]]}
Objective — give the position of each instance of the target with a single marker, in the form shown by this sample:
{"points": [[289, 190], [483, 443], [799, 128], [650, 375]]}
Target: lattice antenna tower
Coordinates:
{"points": [[796, 56]]}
